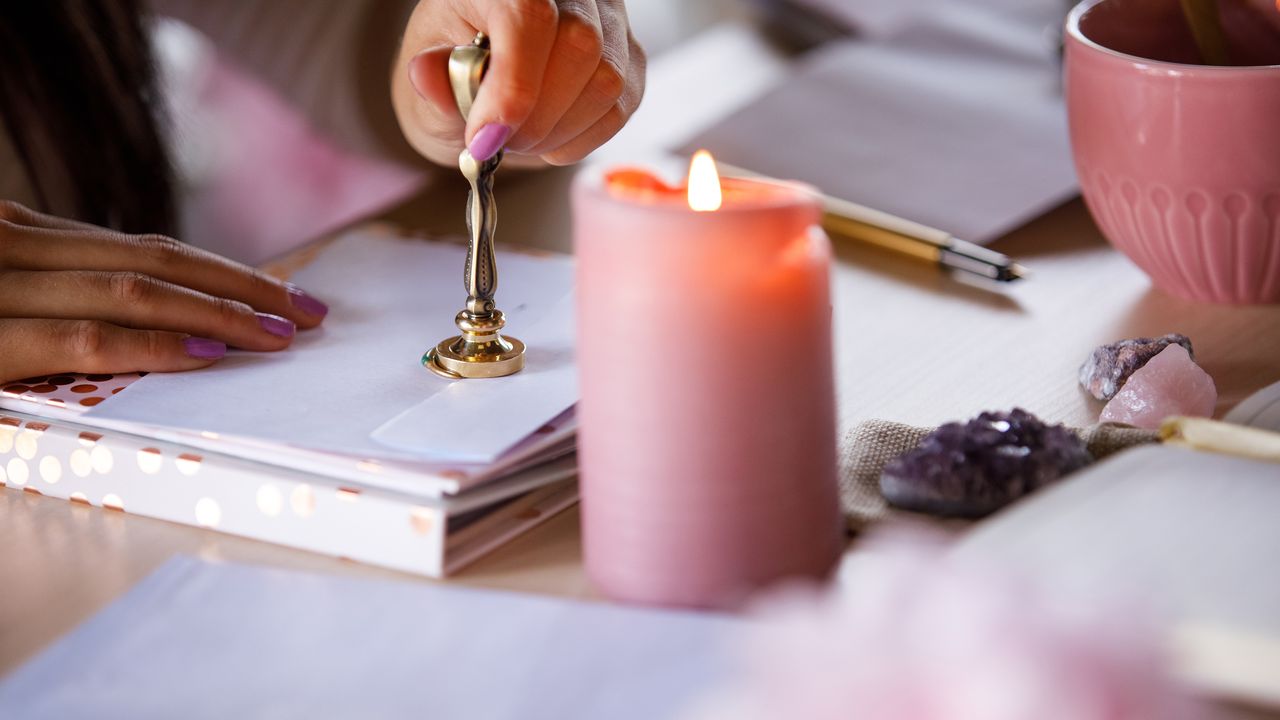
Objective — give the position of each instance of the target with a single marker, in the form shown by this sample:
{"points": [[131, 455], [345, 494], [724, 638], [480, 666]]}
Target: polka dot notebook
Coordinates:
{"points": [[345, 496]]}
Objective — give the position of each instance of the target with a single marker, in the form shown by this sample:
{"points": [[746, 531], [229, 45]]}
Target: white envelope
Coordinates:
{"points": [[476, 421]]}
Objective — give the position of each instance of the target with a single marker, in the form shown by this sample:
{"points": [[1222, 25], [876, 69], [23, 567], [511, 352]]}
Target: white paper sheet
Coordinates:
{"points": [[1195, 533], [957, 122], [197, 640], [1260, 410], [390, 299], [1192, 534]]}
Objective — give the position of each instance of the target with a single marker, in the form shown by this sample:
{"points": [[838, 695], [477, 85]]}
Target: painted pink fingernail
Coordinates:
{"points": [[277, 325], [489, 141], [307, 304], [204, 348]]}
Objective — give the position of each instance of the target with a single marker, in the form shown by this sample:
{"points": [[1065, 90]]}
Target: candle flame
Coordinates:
{"points": [[704, 183]]}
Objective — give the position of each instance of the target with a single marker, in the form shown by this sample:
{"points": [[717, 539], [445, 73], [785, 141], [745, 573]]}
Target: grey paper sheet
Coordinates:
{"points": [[957, 123], [198, 640], [390, 299], [1193, 533], [878, 18]]}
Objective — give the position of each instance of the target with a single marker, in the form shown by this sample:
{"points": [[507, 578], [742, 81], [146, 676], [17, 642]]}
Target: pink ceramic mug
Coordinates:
{"points": [[1179, 163]]}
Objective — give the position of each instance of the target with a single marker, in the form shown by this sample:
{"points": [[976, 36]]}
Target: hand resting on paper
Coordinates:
{"points": [[565, 76], [78, 298]]}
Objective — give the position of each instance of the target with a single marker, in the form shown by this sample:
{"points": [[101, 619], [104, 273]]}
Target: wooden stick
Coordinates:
{"points": [[1206, 27]]}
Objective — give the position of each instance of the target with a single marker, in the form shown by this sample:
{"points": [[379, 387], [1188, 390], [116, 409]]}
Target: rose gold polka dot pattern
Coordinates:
{"points": [[420, 520], [188, 463], [76, 393]]}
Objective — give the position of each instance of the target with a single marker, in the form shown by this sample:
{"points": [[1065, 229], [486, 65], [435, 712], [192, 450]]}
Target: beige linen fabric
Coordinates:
{"points": [[866, 449]]}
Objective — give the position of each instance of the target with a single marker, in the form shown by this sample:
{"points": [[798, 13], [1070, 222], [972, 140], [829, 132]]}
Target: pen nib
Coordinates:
{"points": [[1014, 272]]}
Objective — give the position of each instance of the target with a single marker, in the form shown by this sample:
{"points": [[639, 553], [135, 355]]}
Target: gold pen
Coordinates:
{"points": [[857, 222]]}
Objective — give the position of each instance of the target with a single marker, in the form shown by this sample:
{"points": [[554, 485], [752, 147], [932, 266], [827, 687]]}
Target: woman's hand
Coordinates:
{"points": [[564, 77], [78, 298]]}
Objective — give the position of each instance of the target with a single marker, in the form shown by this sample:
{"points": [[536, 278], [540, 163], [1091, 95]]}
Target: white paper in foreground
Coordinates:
{"points": [[1260, 410], [957, 122], [1193, 532], [390, 299], [196, 640]]}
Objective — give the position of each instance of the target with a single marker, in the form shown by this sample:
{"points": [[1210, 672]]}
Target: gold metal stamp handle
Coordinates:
{"points": [[467, 67], [480, 276], [480, 351]]}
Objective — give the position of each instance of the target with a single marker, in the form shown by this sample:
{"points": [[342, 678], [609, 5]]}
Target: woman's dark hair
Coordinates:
{"points": [[79, 98]]}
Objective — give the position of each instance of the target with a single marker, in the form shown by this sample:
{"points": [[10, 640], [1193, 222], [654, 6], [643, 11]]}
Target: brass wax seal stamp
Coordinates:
{"points": [[480, 351]]}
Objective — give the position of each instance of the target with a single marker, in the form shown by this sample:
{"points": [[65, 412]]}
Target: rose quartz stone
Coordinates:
{"points": [[1169, 384]]}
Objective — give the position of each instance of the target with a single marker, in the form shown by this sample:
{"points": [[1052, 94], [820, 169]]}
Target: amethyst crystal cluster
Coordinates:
{"points": [[972, 469]]}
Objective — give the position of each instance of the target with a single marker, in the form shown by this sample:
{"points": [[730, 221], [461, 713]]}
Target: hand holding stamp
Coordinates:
{"points": [[480, 351]]}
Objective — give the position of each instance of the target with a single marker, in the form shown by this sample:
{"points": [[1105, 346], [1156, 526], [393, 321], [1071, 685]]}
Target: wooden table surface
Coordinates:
{"points": [[913, 345]]}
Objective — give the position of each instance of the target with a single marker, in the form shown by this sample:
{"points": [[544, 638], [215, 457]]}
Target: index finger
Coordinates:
{"points": [[521, 36], [19, 214], [30, 248]]}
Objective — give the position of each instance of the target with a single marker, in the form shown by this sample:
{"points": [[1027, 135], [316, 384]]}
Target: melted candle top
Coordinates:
{"points": [[642, 186]]}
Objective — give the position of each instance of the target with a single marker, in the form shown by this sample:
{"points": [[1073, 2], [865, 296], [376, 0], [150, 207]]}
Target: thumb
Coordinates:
{"points": [[429, 75]]}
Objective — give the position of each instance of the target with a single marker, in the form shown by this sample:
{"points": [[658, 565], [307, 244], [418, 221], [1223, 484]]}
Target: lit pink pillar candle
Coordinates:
{"points": [[707, 446]]}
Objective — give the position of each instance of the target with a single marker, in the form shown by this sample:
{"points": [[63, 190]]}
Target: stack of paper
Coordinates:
{"points": [[349, 405]]}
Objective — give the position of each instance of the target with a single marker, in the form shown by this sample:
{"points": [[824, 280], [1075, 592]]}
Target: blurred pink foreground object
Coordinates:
{"points": [[917, 634], [1169, 384]]}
